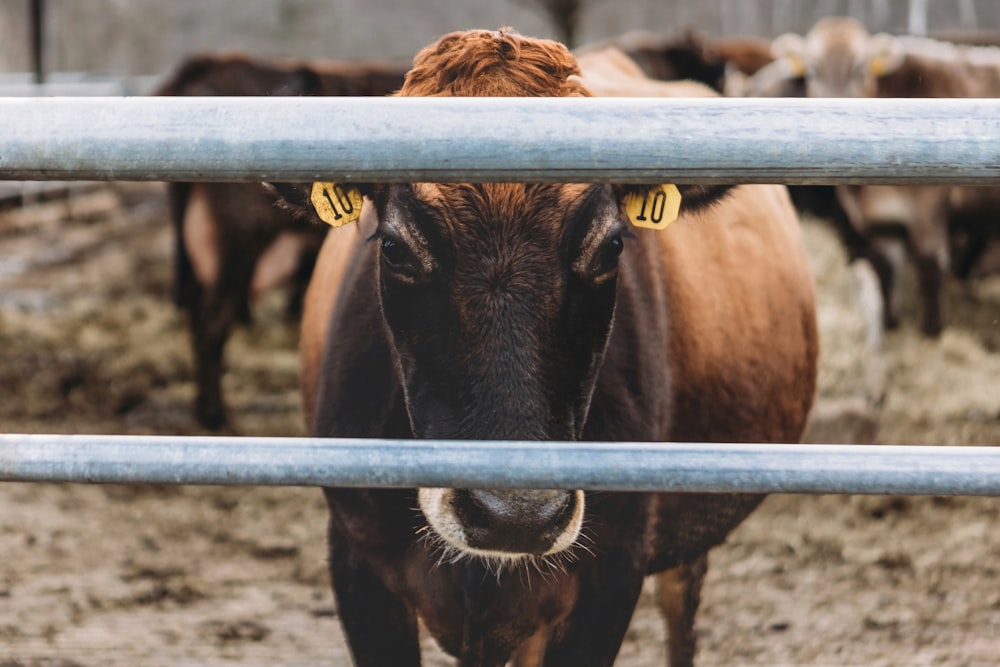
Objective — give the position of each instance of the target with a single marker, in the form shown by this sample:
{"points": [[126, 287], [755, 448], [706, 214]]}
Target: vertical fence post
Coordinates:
{"points": [[36, 27], [967, 14], [917, 22]]}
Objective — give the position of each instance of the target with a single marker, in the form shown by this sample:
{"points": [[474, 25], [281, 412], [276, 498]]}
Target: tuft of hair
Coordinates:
{"points": [[501, 63]]}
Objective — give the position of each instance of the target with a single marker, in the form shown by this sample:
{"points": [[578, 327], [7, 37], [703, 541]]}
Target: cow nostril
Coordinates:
{"points": [[525, 508], [521, 521], [472, 514]]}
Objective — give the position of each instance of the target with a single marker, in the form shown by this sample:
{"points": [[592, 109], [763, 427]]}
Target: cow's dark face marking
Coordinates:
{"points": [[498, 301]]}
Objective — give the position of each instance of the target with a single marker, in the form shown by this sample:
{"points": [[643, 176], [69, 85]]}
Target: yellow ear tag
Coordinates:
{"points": [[335, 205], [656, 209], [876, 66], [797, 65]]}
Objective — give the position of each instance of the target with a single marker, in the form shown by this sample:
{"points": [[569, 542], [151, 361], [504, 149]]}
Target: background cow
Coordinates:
{"points": [[722, 63], [839, 58], [530, 311], [232, 244]]}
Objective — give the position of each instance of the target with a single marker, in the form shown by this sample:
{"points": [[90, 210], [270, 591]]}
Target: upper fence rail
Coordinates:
{"points": [[626, 140], [618, 466]]}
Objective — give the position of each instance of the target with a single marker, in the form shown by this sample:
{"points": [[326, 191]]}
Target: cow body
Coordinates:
{"points": [[520, 311], [722, 63], [688, 56], [839, 58], [231, 243]]}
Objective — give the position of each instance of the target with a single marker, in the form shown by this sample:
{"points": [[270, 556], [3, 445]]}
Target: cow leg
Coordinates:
{"points": [[930, 274], [929, 243], [380, 630], [594, 630], [967, 255], [887, 255], [202, 272], [970, 254], [930, 247], [482, 654], [532, 651], [678, 594], [212, 317]]}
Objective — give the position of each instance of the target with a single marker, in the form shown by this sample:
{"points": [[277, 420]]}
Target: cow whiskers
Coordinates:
{"points": [[497, 563]]}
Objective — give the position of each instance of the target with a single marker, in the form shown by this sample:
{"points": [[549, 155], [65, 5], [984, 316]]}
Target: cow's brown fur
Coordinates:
{"points": [[457, 66], [713, 338], [231, 242]]}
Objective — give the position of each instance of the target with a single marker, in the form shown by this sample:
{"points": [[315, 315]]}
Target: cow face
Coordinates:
{"points": [[498, 301], [839, 58]]}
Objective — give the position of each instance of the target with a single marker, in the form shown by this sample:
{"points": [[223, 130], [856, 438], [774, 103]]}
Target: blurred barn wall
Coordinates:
{"points": [[134, 37]]}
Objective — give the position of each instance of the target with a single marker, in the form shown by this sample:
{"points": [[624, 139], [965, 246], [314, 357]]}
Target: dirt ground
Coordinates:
{"points": [[164, 575]]}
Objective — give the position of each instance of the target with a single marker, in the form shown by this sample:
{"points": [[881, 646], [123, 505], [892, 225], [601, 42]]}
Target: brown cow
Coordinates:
{"points": [[231, 242], [531, 312], [720, 63], [687, 56], [839, 58]]}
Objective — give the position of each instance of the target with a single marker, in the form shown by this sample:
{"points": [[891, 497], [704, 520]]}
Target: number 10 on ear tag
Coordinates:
{"points": [[655, 209], [334, 205]]}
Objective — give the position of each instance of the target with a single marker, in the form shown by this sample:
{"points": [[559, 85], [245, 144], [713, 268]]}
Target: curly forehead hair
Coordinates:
{"points": [[482, 63]]}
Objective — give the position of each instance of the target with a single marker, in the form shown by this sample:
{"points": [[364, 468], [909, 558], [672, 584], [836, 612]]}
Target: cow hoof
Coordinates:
{"points": [[213, 418], [932, 329]]}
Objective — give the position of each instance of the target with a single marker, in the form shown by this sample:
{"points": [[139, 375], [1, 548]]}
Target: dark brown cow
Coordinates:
{"points": [[716, 62], [231, 242], [687, 56], [532, 312], [746, 54], [839, 58]]}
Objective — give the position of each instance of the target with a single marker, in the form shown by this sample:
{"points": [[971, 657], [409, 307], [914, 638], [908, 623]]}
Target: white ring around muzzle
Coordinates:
{"points": [[438, 508]]}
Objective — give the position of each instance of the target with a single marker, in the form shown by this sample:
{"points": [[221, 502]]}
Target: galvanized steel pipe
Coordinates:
{"points": [[796, 141], [412, 463]]}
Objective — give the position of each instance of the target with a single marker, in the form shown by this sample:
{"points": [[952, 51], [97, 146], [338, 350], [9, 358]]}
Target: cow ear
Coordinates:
{"points": [[885, 54], [656, 206], [334, 204]]}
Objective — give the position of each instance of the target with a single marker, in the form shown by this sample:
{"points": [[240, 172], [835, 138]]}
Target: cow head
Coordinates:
{"points": [[499, 299], [839, 58]]}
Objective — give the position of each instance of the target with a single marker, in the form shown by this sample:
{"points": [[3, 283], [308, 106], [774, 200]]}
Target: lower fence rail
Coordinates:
{"points": [[613, 466]]}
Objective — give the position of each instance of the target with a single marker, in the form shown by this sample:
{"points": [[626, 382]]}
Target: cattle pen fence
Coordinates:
{"points": [[472, 140]]}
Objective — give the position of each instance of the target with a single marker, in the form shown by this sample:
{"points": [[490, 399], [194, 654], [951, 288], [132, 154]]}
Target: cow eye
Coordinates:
{"points": [[607, 257], [396, 255], [615, 245]]}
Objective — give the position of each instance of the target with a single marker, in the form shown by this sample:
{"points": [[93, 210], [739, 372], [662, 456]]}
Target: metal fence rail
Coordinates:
{"points": [[413, 463], [798, 141]]}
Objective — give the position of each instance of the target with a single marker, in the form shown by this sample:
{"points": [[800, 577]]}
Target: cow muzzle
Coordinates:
{"points": [[507, 524]]}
